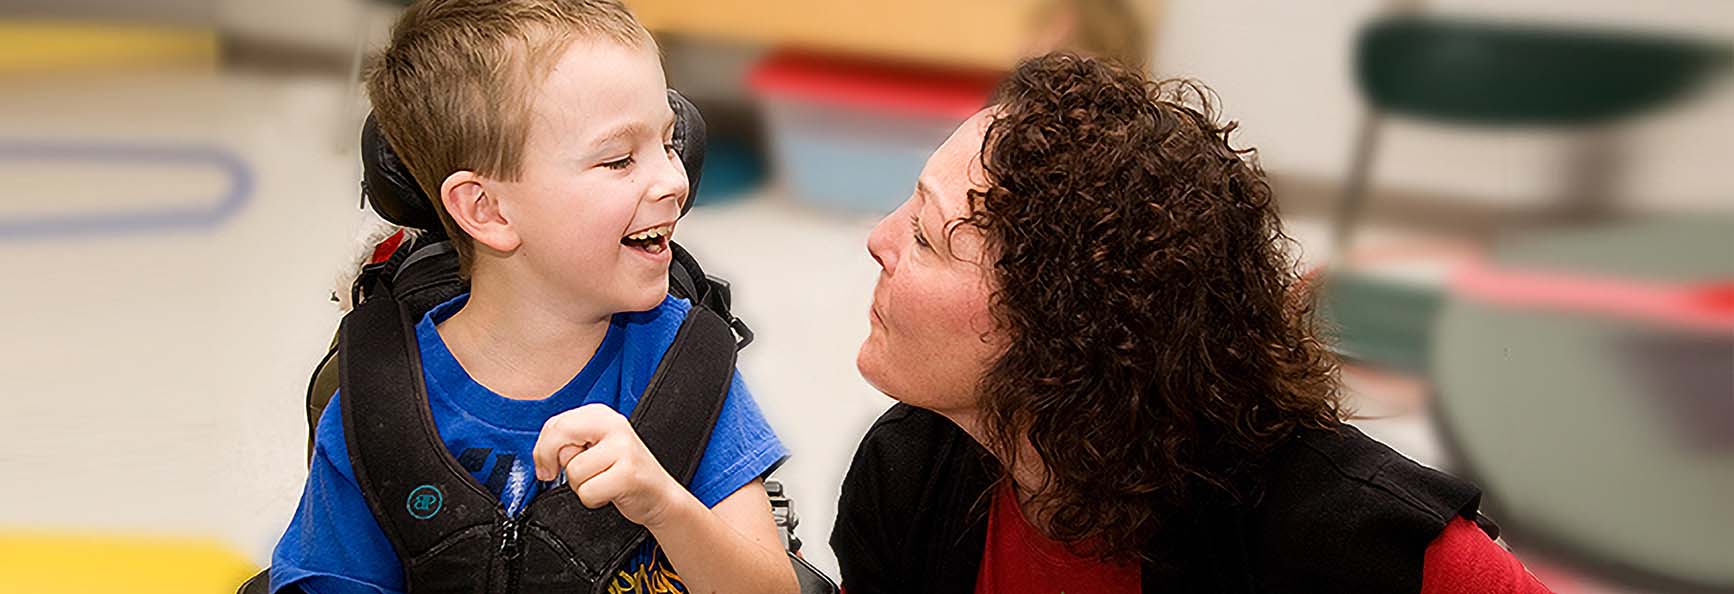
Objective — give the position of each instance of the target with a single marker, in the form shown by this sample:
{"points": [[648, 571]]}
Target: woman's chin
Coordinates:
{"points": [[869, 364]]}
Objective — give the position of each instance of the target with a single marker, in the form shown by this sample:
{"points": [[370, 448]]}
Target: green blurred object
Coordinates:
{"points": [[733, 169], [1501, 74], [1381, 322], [1603, 440], [1492, 75]]}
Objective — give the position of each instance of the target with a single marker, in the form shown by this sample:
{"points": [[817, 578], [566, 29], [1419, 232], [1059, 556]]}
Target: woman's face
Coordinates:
{"points": [[932, 337]]}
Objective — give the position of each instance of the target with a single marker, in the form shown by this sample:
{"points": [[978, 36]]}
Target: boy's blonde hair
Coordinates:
{"points": [[452, 89]]}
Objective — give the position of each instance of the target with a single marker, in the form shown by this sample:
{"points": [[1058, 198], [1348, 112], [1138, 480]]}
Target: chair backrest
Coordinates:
{"points": [[1497, 74]]}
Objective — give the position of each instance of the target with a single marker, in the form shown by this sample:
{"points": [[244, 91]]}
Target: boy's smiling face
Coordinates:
{"points": [[601, 187]]}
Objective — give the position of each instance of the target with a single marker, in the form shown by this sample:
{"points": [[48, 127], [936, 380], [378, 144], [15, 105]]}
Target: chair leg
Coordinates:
{"points": [[1593, 173], [1353, 201]]}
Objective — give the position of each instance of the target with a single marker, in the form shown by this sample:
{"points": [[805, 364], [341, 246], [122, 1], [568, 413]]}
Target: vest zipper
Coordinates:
{"points": [[511, 550]]}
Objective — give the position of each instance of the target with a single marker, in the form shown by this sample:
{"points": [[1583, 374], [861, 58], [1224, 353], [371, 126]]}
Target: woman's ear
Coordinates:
{"points": [[477, 211]]}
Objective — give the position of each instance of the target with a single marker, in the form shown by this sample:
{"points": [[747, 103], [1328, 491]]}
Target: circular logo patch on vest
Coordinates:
{"points": [[425, 502]]}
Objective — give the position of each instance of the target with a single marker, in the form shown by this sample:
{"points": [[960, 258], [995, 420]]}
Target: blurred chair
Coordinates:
{"points": [[1585, 379], [1496, 76], [1492, 76], [1581, 373]]}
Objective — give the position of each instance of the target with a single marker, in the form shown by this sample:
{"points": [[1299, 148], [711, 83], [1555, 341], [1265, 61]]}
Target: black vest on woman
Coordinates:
{"points": [[1336, 512]]}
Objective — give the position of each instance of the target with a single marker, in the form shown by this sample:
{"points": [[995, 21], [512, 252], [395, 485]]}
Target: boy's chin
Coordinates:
{"points": [[647, 297]]}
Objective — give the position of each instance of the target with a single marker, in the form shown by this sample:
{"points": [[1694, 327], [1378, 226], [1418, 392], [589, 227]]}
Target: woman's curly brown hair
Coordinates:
{"points": [[1160, 339]]}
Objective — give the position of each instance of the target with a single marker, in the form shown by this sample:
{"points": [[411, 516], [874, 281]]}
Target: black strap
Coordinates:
{"points": [[421, 251], [674, 418], [320, 388], [687, 279], [425, 278], [417, 491], [681, 281], [680, 406], [420, 274], [260, 583]]}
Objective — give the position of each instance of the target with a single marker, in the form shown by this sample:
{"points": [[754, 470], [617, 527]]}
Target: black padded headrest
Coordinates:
{"points": [[387, 184], [689, 143]]}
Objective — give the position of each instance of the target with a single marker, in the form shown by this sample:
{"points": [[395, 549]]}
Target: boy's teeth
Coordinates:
{"points": [[651, 234]]}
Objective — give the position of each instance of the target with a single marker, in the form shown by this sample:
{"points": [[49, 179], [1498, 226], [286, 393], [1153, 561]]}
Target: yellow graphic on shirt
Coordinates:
{"points": [[647, 574]]}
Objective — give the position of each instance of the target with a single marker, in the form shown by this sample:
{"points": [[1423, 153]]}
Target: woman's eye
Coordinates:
{"points": [[915, 229], [620, 163]]}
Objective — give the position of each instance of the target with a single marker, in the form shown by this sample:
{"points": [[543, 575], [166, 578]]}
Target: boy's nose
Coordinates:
{"points": [[670, 179]]}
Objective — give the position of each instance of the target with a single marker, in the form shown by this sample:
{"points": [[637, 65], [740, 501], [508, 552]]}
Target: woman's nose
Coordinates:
{"points": [[881, 242]]}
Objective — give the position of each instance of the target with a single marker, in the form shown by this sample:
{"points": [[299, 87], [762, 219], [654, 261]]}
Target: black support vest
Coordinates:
{"points": [[452, 535]]}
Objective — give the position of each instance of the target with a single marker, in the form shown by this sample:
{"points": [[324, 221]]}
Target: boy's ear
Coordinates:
{"points": [[477, 211]]}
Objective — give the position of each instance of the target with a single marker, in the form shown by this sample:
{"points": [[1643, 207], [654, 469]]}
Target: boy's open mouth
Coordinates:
{"points": [[653, 240]]}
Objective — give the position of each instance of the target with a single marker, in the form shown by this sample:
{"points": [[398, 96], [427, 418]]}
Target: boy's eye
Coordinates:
{"points": [[620, 163]]}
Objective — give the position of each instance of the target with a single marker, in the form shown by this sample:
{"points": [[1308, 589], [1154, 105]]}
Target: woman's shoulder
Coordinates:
{"points": [[1333, 502], [1329, 467], [913, 461], [909, 503], [903, 424], [908, 442]]}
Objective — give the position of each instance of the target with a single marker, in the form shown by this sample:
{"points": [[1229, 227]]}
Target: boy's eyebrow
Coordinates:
{"points": [[627, 130]]}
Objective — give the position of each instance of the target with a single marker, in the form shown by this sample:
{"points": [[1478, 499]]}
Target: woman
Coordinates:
{"points": [[1108, 377]]}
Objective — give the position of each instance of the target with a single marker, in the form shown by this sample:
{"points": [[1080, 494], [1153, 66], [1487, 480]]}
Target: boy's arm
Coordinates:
{"points": [[730, 549], [333, 544]]}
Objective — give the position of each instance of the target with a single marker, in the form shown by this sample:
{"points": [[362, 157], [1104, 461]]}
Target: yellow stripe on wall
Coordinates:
{"points": [[45, 563], [62, 47]]}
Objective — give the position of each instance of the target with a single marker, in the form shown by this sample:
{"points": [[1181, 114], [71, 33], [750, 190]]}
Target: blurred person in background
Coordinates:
{"points": [[1109, 380]]}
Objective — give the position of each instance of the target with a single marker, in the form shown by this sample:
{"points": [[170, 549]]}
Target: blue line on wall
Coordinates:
{"points": [[138, 220]]}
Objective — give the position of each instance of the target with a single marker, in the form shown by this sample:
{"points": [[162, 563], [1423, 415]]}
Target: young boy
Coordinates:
{"points": [[542, 130]]}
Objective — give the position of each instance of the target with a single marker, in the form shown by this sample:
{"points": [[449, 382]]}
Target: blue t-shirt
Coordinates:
{"points": [[334, 545]]}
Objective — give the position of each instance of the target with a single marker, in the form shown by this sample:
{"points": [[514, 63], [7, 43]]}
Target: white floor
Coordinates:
{"points": [[152, 381]]}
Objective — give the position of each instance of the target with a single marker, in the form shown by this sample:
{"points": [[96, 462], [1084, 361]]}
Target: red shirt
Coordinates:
{"points": [[1018, 559], [1464, 560]]}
